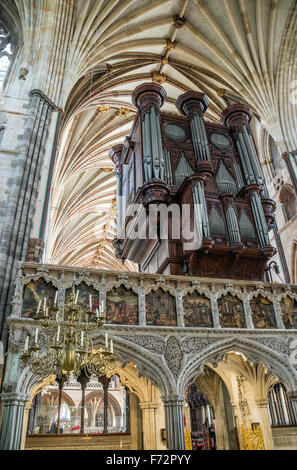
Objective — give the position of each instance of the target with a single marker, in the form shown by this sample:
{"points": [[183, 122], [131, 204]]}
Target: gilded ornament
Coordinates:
{"points": [[179, 21], [159, 78], [103, 109], [170, 45], [123, 112], [252, 438]]}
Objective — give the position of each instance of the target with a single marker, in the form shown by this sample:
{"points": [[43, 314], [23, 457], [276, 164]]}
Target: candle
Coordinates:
{"points": [[106, 340], [44, 304], [26, 344], [76, 297], [97, 313], [56, 297], [36, 335], [82, 338], [111, 346], [58, 333], [90, 301], [39, 305], [46, 311]]}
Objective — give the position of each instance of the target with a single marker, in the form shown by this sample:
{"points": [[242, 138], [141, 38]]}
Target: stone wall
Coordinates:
{"points": [[285, 438]]}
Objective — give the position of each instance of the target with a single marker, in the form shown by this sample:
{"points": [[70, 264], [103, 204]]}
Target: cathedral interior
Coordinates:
{"points": [[148, 224]]}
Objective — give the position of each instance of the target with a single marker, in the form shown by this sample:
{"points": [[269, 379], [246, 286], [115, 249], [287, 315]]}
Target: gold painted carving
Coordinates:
{"points": [[178, 21], [103, 109], [159, 78], [123, 112], [170, 45], [252, 438]]}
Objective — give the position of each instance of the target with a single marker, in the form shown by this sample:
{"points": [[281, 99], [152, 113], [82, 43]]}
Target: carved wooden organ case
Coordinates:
{"points": [[183, 161]]}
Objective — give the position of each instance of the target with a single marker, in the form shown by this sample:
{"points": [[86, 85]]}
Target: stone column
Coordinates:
{"points": [[290, 159], [105, 382], [149, 98], [142, 312], [248, 312], [148, 410], [22, 197], [214, 308], [83, 380], [278, 312], [61, 381], [115, 154], [13, 421], [179, 308], [265, 423], [222, 436], [175, 434]]}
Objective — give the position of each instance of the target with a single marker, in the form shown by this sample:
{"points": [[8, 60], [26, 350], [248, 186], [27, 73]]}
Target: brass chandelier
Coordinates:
{"points": [[69, 346]]}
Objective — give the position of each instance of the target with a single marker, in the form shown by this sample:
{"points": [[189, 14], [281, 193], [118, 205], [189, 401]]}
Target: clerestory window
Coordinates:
{"points": [[5, 53]]}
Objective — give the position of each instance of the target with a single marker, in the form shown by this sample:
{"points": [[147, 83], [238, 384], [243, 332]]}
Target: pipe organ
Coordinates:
{"points": [[199, 179]]}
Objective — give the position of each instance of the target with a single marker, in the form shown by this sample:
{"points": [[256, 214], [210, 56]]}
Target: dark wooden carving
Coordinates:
{"points": [[217, 256]]}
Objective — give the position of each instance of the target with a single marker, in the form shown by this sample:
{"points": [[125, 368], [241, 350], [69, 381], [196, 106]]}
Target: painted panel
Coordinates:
{"points": [[160, 309], [122, 306], [231, 312], [289, 311], [263, 313], [197, 311], [83, 298], [34, 292]]}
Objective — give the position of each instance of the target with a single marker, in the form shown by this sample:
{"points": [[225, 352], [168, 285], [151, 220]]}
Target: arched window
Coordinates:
{"points": [[5, 53], [280, 410], [288, 200]]}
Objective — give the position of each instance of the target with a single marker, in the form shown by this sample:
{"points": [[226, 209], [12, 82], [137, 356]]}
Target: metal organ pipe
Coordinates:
{"points": [[239, 178], [245, 155], [233, 225], [199, 138], [147, 148], [253, 156], [201, 218], [161, 154]]}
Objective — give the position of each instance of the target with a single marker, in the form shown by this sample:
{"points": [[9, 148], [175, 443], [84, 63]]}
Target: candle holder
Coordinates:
{"points": [[69, 346]]}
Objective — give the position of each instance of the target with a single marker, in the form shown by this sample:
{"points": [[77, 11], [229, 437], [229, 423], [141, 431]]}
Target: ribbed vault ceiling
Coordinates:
{"points": [[246, 47]]}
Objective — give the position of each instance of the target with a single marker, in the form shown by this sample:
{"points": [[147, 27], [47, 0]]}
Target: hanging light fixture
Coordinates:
{"points": [[69, 346]]}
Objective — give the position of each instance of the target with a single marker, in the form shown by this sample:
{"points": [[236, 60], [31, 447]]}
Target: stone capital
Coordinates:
{"points": [[173, 400], [41, 95], [148, 406]]}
